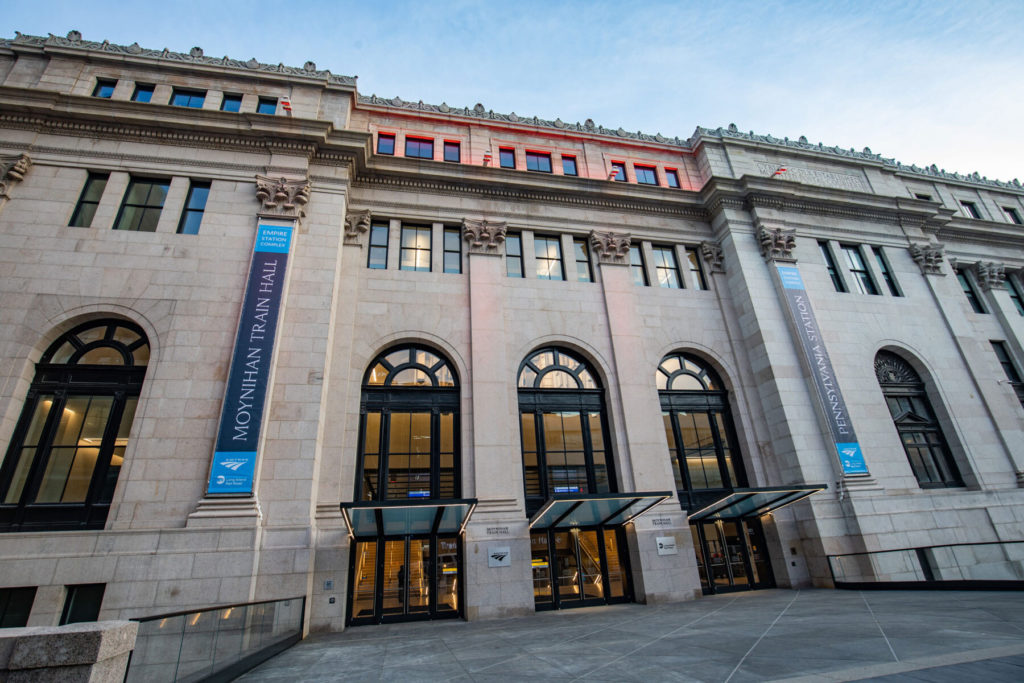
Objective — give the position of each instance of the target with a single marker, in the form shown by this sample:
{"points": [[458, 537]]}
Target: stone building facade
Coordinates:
{"points": [[517, 364]]}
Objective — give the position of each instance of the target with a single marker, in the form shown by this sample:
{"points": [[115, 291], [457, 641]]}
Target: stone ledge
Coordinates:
{"points": [[93, 651]]}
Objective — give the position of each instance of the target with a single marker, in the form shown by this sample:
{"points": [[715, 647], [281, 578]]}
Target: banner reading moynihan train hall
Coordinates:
{"points": [[813, 347], [234, 458]]}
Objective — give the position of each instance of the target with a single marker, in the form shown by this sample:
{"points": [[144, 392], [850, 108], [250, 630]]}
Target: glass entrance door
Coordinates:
{"points": [[731, 555], [577, 567]]}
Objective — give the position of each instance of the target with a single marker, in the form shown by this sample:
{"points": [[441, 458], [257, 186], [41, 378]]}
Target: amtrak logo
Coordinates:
{"points": [[234, 465], [849, 452], [498, 557]]}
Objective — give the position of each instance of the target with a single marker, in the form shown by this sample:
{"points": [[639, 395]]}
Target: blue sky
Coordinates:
{"points": [[925, 82]]}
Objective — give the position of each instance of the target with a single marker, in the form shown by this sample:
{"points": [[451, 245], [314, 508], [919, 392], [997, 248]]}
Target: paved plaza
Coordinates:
{"points": [[806, 635]]}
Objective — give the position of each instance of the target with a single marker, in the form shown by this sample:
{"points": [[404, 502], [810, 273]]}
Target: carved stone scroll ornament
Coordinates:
{"points": [[714, 256], [282, 198], [483, 237], [610, 247], [990, 275], [12, 170], [777, 244], [928, 258], [356, 223]]}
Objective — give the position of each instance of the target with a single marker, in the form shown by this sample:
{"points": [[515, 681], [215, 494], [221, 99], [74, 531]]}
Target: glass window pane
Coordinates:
{"points": [[558, 379], [553, 437], [102, 355], [411, 377]]}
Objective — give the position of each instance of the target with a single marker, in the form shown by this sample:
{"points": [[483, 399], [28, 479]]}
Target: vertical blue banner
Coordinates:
{"points": [[234, 458], [813, 347]]}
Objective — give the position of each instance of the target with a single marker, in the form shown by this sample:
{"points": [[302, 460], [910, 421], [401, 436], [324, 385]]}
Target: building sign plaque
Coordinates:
{"points": [[499, 556], [667, 545]]}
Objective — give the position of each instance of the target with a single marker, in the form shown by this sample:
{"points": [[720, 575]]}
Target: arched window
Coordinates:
{"points": [[68, 447], [695, 411], [915, 421], [562, 417], [409, 434]]}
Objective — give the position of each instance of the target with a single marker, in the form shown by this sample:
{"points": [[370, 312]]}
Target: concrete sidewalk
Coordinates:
{"points": [[807, 635]]}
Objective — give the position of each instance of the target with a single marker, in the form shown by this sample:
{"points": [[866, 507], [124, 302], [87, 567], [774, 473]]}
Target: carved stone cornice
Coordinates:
{"points": [[356, 223], [990, 275], [483, 236], [12, 170], [777, 244], [714, 256], [610, 247], [928, 257], [282, 198]]}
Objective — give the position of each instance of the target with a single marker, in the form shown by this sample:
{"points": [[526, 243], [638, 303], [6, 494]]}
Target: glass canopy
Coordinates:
{"points": [[755, 502], [407, 518], [605, 509]]}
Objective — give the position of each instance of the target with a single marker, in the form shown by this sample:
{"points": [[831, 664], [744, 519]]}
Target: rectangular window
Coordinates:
{"points": [[143, 93], [858, 269], [646, 175], [104, 88], [266, 105], [538, 161], [195, 205], [419, 148], [1013, 215], [1014, 291], [583, 273], [969, 291], [385, 143], [925, 197], [672, 177], [452, 250], [378, 258], [82, 603], [833, 272], [970, 209], [883, 268], [188, 98], [415, 248], [15, 606], [514, 255], [142, 205], [452, 151], [569, 165], [696, 271], [548, 251], [507, 157], [666, 268], [90, 199], [618, 173], [1003, 354], [231, 102], [637, 266]]}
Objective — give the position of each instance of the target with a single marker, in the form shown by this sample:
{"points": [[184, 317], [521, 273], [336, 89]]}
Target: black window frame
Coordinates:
{"points": [[453, 151], [263, 104], [1013, 289], [638, 266], [970, 209], [671, 268], [418, 145], [831, 267], [233, 99], [147, 208], [101, 89], [416, 251], [143, 92], [378, 246], [95, 185], [82, 603], [863, 282], [1013, 376], [646, 175], [506, 157], [886, 271], [195, 207], [538, 162], [16, 605], [384, 139], [672, 178], [451, 236], [196, 98], [547, 258], [581, 253], [1013, 215], [569, 161], [922, 196], [696, 268], [969, 290], [618, 173], [514, 255]]}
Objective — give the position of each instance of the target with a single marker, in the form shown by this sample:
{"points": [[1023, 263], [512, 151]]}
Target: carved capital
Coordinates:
{"points": [[282, 198], [928, 257], [356, 223], [12, 170], [714, 256], [610, 247], [483, 237], [777, 244], [990, 275]]}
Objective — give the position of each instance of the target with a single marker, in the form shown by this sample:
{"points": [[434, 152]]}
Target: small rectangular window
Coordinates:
{"points": [[514, 255], [583, 273], [90, 199], [266, 105], [666, 268], [378, 257], [1015, 294], [195, 205], [143, 93], [142, 204], [507, 157], [696, 271], [862, 280], [1013, 215], [1009, 369], [646, 175], [830, 264], [385, 143], [452, 151], [104, 88], [192, 99], [231, 102], [883, 268], [538, 161], [672, 177], [968, 287], [415, 248], [452, 250], [548, 252], [82, 603], [618, 173], [419, 148], [970, 209], [15, 606], [569, 165], [637, 266], [921, 195]]}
